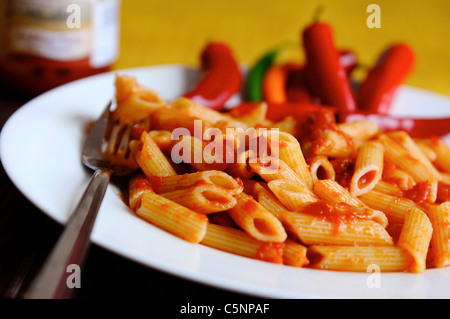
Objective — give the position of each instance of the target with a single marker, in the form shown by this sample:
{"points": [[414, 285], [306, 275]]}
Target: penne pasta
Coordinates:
{"points": [[271, 168], [415, 238], [314, 230], [304, 191], [290, 152], [134, 102], [403, 139], [137, 187], [150, 158], [203, 198], [360, 130], [400, 157], [368, 168], [257, 221], [332, 192], [442, 151], [358, 259], [267, 200], [439, 216], [321, 168], [295, 254], [292, 194], [172, 217], [240, 243], [393, 206], [218, 178], [387, 188]]}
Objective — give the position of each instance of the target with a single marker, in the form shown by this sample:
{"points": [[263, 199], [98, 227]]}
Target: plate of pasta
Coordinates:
{"points": [[280, 219]]}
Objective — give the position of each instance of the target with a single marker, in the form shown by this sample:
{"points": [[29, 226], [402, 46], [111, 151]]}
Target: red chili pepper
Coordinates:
{"points": [[297, 87], [222, 77], [278, 111], [376, 91], [348, 60], [415, 127], [325, 72]]}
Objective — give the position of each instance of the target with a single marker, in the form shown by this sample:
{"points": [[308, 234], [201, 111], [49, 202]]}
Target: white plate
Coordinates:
{"points": [[40, 150]]}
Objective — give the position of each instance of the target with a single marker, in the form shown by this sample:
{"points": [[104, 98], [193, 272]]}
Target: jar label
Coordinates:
{"points": [[62, 30]]}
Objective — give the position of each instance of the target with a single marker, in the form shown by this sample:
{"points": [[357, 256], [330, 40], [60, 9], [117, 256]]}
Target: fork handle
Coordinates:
{"points": [[73, 244]]}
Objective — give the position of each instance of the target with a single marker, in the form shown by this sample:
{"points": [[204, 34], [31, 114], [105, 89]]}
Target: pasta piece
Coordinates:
{"points": [[290, 152], [203, 198], [397, 176], [442, 151], [150, 158], [288, 124], [387, 188], [218, 178], [138, 186], [401, 158], [311, 230], [251, 115], [134, 102], [172, 217], [271, 168], [415, 151], [268, 200], [332, 192], [439, 216], [368, 168], [360, 130], [295, 254], [445, 178], [359, 259], [426, 149], [257, 221], [393, 206], [321, 168], [201, 155], [415, 238], [242, 167], [179, 122], [163, 139], [292, 194], [334, 144], [186, 106], [238, 242]]}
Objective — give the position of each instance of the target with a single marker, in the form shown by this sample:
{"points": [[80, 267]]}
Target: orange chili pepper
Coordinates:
{"points": [[274, 84]]}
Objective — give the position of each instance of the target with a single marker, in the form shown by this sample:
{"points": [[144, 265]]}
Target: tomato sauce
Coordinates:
{"points": [[443, 193], [314, 128], [271, 252], [340, 215], [419, 193], [344, 169]]}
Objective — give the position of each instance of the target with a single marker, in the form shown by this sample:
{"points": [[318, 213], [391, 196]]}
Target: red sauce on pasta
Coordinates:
{"points": [[271, 252], [339, 215], [314, 128], [419, 193], [443, 193], [344, 169]]}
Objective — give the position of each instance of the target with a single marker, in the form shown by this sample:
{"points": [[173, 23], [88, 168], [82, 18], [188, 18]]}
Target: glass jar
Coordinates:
{"points": [[46, 43]]}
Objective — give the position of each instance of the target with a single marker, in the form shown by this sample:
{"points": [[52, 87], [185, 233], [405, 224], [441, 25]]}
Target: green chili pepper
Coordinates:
{"points": [[256, 76]]}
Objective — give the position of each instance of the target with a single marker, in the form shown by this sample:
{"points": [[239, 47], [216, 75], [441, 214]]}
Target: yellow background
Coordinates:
{"points": [[175, 31]]}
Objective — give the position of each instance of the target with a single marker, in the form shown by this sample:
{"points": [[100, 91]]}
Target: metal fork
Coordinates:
{"points": [[105, 151]]}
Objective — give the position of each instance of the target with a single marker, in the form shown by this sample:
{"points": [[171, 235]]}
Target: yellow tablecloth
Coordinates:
{"points": [[174, 31]]}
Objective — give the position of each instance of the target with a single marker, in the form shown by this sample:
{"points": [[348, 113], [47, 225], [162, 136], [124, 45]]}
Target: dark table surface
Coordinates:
{"points": [[27, 236]]}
